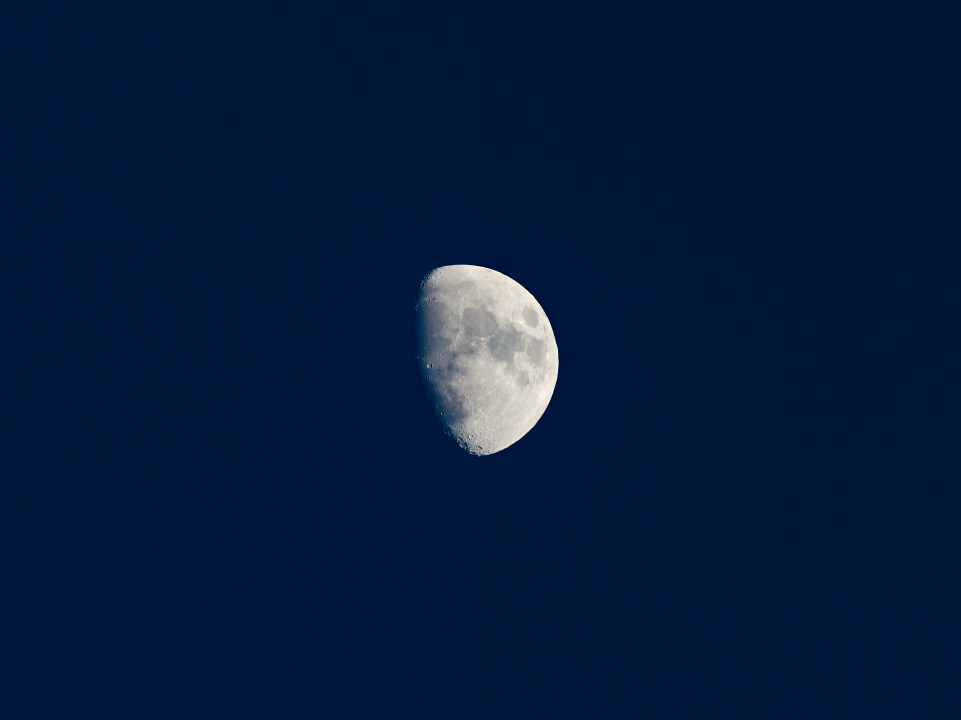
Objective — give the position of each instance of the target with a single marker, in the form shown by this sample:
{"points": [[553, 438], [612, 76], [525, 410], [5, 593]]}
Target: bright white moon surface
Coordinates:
{"points": [[488, 355]]}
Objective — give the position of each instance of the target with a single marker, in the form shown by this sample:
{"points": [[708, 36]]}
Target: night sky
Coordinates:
{"points": [[223, 493]]}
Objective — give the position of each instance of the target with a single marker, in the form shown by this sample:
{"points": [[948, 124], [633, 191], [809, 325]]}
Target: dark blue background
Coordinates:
{"points": [[223, 493]]}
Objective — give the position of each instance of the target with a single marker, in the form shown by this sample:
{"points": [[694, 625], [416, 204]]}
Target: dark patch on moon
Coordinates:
{"points": [[530, 317], [504, 343], [536, 351]]}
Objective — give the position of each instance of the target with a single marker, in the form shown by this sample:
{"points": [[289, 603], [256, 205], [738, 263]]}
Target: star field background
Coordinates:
{"points": [[222, 493]]}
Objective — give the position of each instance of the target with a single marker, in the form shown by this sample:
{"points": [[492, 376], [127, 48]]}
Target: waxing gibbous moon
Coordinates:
{"points": [[488, 355]]}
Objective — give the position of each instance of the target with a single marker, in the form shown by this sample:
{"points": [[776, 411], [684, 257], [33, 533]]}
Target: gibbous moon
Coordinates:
{"points": [[487, 353]]}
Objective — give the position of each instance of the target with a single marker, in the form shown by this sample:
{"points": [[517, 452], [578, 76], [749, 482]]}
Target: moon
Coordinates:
{"points": [[487, 353]]}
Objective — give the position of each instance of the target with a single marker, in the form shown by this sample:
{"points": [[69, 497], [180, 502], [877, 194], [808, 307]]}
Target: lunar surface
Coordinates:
{"points": [[488, 355]]}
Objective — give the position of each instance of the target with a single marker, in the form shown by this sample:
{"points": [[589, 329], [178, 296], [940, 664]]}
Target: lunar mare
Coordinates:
{"points": [[488, 355]]}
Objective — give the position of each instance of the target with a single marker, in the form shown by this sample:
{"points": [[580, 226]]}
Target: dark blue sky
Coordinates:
{"points": [[222, 492]]}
